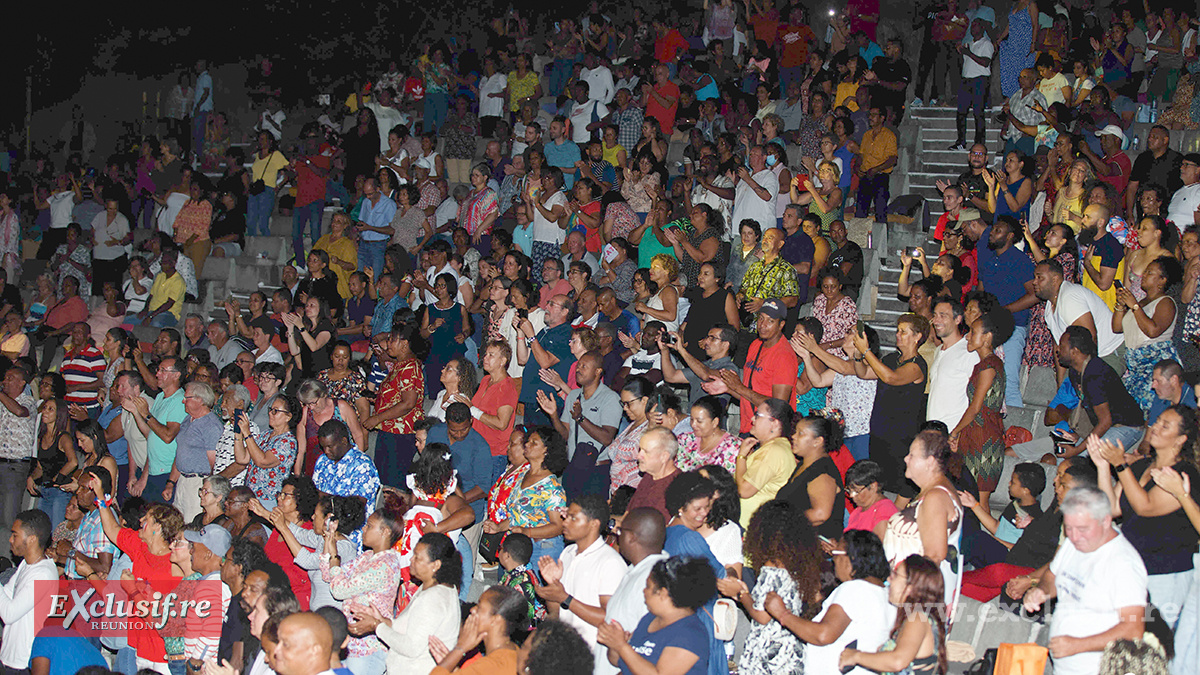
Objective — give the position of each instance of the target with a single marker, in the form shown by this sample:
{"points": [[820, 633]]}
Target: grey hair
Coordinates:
{"points": [[219, 486], [240, 393], [796, 209], [193, 315], [202, 391], [667, 440], [311, 390], [220, 323], [1086, 500], [483, 168]]}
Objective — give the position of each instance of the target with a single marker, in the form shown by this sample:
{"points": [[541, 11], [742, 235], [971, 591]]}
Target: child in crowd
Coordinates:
{"points": [[513, 556], [1025, 488]]}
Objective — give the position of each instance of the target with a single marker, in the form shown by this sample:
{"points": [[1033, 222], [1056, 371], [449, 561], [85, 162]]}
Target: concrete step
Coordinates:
{"points": [[942, 112], [948, 135]]}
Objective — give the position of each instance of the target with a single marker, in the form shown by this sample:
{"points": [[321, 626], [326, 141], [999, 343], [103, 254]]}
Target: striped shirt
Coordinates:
{"points": [[83, 367]]}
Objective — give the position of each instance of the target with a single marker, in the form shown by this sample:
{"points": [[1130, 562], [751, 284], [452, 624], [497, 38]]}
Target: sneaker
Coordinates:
{"points": [[958, 146], [918, 103]]}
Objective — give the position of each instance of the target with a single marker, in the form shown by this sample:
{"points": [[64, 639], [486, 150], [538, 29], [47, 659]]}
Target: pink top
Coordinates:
{"points": [[868, 518]]}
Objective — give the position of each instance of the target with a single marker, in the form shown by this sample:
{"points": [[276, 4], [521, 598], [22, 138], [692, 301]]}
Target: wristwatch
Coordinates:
{"points": [[566, 604], [1120, 467]]}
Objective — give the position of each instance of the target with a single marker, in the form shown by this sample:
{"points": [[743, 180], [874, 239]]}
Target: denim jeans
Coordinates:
{"points": [[370, 254], [1013, 349], [199, 122], [374, 663], [12, 494], [258, 214], [859, 446], [468, 567], [1128, 437], [177, 667], [54, 504], [164, 320], [309, 214], [552, 547], [1187, 629]]}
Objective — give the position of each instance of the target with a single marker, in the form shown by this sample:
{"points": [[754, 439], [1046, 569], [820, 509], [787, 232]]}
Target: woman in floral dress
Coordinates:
{"points": [[271, 455], [835, 310], [1058, 243], [980, 433], [707, 442], [624, 448]]}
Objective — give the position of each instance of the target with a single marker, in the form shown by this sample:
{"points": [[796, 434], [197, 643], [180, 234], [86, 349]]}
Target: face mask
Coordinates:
{"points": [[772, 160]]}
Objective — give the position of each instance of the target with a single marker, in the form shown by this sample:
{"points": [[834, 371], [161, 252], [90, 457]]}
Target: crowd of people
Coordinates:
{"points": [[641, 397]]}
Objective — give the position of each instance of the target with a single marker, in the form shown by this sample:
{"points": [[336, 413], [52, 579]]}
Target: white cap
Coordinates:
{"points": [[1112, 130]]}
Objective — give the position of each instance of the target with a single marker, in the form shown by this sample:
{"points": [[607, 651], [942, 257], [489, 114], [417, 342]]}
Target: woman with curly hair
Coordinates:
{"points": [[721, 529], [333, 517], [297, 503], [918, 641], [537, 496], [665, 304], [782, 546]]}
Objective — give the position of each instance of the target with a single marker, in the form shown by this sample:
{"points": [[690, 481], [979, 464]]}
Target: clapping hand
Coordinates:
{"points": [[1177, 484], [628, 341], [1104, 453], [547, 403], [611, 634]]}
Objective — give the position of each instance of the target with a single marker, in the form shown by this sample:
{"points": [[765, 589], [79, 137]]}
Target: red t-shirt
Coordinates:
{"points": [[667, 47], [766, 367], [652, 494], [766, 26], [665, 116], [157, 570], [278, 552], [793, 42], [310, 185], [414, 89], [1121, 167], [489, 399]]}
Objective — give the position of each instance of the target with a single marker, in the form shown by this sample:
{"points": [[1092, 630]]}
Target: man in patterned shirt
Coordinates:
{"points": [[91, 544], [83, 369], [769, 278], [18, 420], [344, 470], [627, 117]]}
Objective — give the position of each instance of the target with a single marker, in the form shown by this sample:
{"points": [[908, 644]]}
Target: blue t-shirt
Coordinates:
{"points": [[1004, 276], [687, 634], [67, 651], [555, 340], [119, 448], [1187, 398], [799, 248], [564, 157], [472, 459]]}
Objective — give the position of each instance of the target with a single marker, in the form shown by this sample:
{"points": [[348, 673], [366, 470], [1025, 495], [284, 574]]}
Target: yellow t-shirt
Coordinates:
{"points": [[519, 88], [768, 468], [17, 344], [267, 169], [610, 155], [167, 288], [344, 249]]}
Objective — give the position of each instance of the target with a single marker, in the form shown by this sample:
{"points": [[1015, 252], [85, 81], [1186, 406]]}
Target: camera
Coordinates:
{"points": [[669, 339]]}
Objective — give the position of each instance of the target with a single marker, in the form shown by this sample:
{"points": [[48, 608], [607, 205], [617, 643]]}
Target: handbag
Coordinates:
{"points": [[257, 187], [489, 546], [1022, 659], [724, 616]]}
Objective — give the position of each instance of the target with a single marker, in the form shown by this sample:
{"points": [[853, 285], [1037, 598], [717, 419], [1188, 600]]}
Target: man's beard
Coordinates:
{"points": [[1088, 235], [994, 245]]}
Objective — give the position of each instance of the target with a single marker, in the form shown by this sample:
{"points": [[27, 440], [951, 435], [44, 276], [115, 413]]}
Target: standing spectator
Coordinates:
{"points": [[492, 87], [794, 41], [1149, 325], [548, 348], [1157, 165], [83, 369], [661, 99], [1091, 611], [18, 417], [1114, 167], [879, 157], [195, 454], [268, 162], [459, 131], [271, 455], [1103, 257], [980, 432], [973, 90], [1023, 112], [892, 77], [30, 537], [438, 76], [561, 153], [375, 227], [951, 369], [399, 405], [202, 104], [310, 172], [1007, 272], [756, 191], [110, 230], [1017, 45]]}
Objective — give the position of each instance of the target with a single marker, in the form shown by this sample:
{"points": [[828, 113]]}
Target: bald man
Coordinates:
{"points": [[643, 531], [1102, 255], [305, 645]]}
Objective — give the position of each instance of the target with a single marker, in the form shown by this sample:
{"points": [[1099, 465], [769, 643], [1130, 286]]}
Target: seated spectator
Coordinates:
{"points": [[535, 503], [1029, 558], [1148, 325], [864, 486], [68, 311], [519, 575], [1025, 489], [721, 529], [657, 448], [73, 259], [915, 589], [1113, 412], [765, 461], [1091, 611], [494, 620], [165, 304], [623, 451], [555, 648], [670, 633]]}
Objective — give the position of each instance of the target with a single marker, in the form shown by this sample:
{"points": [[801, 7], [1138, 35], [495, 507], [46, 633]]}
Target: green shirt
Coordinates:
{"points": [[166, 409]]}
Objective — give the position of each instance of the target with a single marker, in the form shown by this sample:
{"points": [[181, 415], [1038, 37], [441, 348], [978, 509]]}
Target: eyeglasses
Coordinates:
{"points": [[237, 501], [976, 153], [281, 411], [291, 495], [204, 491]]}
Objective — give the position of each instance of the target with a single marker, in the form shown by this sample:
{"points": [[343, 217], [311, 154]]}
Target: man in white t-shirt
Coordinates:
{"points": [[580, 583], [756, 191], [951, 367], [599, 78], [643, 532], [972, 92], [585, 112], [491, 97], [1184, 208], [387, 115], [1069, 304], [67, 193], [1100, 582]]}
